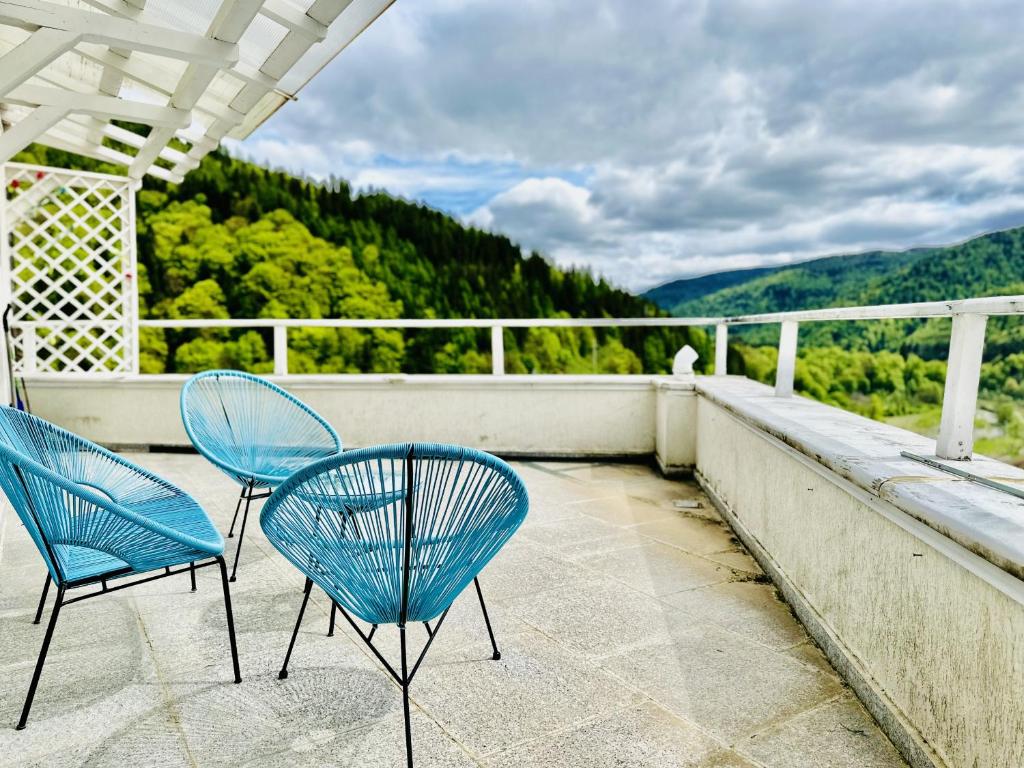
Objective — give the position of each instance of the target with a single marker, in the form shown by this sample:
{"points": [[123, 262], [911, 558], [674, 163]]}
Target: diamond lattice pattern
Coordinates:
{"points": [[70, 258]]}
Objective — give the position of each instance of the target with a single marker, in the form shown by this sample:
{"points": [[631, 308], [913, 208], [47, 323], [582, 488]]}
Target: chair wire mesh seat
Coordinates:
{"points": [[255, 432], [97, 518], [393, 534]]}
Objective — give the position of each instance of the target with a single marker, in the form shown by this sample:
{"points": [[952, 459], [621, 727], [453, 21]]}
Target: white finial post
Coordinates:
{"points": [[682, 365]]}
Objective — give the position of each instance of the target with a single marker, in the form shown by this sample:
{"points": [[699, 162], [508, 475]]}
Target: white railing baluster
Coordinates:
{"points": [[280, 350], [497, 350], [786, 367], [960, 399], [721, 349]]}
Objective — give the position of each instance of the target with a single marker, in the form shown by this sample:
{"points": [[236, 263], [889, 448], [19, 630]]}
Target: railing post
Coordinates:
{"points": [[280, 350], [28, 348], [721, 349], [960, 398], [787, 358], [497, 350]]}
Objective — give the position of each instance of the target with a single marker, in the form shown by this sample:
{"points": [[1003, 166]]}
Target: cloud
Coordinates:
{"points": [[557, 210], [686, 138]]}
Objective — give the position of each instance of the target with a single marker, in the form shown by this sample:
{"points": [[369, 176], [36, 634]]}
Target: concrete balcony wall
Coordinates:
{"points": [[928, 631], [573, 416]]}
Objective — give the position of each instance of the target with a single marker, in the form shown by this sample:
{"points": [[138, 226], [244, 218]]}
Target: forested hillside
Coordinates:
{"points": [[670, 295], [990, 265], [892, 370], [237, 240], [803, 285]]}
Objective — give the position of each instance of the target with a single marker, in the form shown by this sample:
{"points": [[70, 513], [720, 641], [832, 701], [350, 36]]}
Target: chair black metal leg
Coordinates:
{"points": [[192, 574], [42, 599], [487, 620], [405, 697], [238, 506], [42, 658], [334, 612], [241, 533], [283, 674], [231, 618]]}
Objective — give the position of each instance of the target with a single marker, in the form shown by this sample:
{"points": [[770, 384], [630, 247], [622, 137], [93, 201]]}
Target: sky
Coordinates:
{"points": [[658, 139]]}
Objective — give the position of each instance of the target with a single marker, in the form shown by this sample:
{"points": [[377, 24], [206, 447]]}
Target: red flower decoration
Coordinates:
{"points": [[39, 174], [15, 184]]}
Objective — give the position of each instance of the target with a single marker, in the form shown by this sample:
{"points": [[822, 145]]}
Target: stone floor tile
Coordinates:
{"points": [[727, 685], [567, 535], [699, 535], [658, 569], [622, 509], [537, 688], [747, 608], [840, 734], [598, 617], [811, 655], [640, 735]]}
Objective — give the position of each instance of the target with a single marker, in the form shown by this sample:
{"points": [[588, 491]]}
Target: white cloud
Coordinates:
{"points": [[684, 137]]}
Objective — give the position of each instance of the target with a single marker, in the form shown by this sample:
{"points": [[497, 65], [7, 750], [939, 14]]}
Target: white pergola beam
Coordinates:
{"points": [[42, 47], [326, 11], [61, 138], [118, 32], [117, 8], [232, 19], [252, 76], [162, 81], [294, 19], [26, 130], [213, 94], [107, 107], [81, 129]]}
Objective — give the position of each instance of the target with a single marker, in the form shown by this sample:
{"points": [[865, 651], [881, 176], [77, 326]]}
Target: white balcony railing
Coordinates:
{"points": [[967, 341]]}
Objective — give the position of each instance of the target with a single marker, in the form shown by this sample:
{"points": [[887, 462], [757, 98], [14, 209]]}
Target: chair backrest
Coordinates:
{"points": [[29, 448], [251, 428], [394, 533], [86, 507]]}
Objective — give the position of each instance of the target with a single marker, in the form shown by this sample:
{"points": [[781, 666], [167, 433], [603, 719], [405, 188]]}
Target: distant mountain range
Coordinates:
{"points": [[989, 265]]}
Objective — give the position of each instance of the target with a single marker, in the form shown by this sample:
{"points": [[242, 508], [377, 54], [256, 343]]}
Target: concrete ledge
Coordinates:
{"points": [[867, 453], [929, 633]]}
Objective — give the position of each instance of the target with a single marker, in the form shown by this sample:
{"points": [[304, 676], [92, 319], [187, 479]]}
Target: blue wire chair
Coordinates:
{"points": [[96, 518], [393, 534], [253, 431]]}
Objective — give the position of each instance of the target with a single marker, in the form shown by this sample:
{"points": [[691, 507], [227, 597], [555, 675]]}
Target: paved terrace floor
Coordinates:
{"points": [[633, 633]]}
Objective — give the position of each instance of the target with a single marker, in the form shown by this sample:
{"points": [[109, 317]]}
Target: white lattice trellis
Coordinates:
{"points": [[67, 268]]}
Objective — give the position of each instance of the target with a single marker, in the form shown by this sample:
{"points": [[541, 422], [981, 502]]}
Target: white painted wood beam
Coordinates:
{"points": [[42, 47], [228, 25], [59, 140], [118, 32], [118, 8], [106, 107], [28, 129], [294, 19], [326, 11]]}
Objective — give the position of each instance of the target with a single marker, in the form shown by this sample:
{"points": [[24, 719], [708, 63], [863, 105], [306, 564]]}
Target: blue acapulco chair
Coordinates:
{"points": [[393, 534], [255, 432], [96, 518]]}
